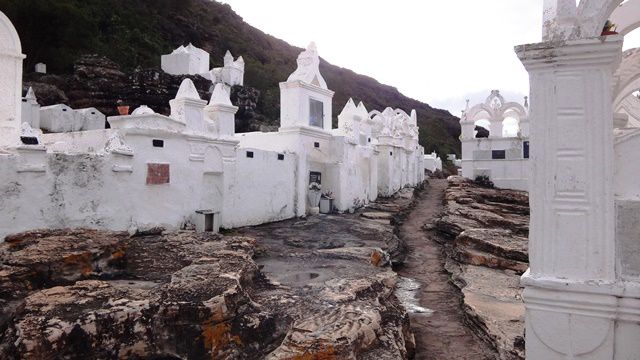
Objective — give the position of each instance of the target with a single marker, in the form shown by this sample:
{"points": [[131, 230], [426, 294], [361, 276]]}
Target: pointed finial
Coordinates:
{"points": [[349, 108], [187, 90], [228, 58], [220, 95], [31, 95], [362, 110]]}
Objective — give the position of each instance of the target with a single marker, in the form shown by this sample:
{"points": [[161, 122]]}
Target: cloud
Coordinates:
{"points": [[433, 51]]}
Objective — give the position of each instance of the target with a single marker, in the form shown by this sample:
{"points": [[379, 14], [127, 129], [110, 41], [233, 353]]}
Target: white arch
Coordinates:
{"points": [[11, 82], [626, 17], [564, 20], [627, 76], [9, 39], [494, 109]]}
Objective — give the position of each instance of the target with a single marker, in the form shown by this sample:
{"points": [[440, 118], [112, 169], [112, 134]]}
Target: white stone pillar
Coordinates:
{"points": [[222, 112], [188, 108], [10, 82], [568, 289]]}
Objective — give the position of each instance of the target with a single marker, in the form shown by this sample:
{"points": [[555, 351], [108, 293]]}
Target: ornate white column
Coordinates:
{"points": [[569, 288]]}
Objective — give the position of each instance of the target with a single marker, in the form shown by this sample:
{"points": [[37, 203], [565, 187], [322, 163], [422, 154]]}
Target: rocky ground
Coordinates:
{"points": [[444, 334], [319, 288], [484, 232], [314, 288]]}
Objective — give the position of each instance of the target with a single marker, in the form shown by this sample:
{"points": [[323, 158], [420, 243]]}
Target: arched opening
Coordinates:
{"points": [[631, 40], [482, 128], [510, 127]]}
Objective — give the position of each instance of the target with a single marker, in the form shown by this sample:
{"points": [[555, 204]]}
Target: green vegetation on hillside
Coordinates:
{"points": [[136, 32]]}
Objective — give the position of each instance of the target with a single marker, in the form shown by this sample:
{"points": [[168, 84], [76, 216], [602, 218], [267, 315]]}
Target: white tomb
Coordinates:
{"points": [[41, 68], [503, 156], [59, 118], [232, 73], [305, 100], [432, 162], [186, 60], [92, 119]]}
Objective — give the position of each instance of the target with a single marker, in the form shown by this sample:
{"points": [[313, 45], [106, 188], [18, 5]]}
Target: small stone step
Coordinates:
{"points": [[377, 215]]}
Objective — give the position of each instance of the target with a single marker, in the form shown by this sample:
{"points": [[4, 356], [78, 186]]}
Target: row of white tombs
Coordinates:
{"points": [[190, 169]]}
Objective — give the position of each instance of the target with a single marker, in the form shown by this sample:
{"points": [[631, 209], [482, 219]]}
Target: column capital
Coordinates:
{"points": [[600, 51]]}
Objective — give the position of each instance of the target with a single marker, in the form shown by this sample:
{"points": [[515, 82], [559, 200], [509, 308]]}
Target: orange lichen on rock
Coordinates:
{"points": [[327, 353], [218, 337], [376, 257], [80, 262], [118, 254]]}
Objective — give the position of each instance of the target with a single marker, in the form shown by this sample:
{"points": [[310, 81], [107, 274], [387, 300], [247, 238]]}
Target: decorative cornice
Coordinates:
{"points": [[595, 287], [304, 85], [307, 130], [595, 51], [222, 108]]}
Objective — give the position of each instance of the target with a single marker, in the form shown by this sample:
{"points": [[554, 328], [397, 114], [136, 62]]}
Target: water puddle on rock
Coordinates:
{"points": [[407, 290]]}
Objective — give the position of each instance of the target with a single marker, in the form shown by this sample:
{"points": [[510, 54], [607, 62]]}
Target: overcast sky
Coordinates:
{"points": [[438, 52]]}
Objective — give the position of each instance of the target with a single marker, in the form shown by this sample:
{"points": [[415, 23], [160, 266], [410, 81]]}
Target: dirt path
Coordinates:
{"points": [[443, 335]]}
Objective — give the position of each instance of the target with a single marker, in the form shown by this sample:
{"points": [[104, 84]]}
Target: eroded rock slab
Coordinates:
{"points": [[77, 294], [485, 233], [194, 303]]}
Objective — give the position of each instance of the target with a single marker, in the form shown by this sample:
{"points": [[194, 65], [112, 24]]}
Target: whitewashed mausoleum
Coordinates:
{"points": [[503, 154], [582, 291], [432, 162], [190, 168]]}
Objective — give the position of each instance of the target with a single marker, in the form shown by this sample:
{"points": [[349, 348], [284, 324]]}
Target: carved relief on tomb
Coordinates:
{"points": [[309, 68], [587, 335], [116, 144]]}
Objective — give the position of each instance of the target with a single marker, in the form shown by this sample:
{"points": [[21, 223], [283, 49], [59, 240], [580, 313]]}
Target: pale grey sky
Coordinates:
{"points": [[438, 52]]}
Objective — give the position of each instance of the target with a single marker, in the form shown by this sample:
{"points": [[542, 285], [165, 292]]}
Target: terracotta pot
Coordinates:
{"points": [[123, 110]]}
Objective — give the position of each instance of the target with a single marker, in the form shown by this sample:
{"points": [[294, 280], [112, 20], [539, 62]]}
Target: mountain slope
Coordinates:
{"points": [[136, 32]]}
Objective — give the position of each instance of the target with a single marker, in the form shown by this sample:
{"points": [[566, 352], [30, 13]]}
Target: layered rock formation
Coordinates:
{"points": [[485, 232], [78, 294], [99, 82]]}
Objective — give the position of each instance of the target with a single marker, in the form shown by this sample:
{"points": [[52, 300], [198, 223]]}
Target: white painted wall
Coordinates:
{"points": [[263, 190], [509, 173], [109, 191]]}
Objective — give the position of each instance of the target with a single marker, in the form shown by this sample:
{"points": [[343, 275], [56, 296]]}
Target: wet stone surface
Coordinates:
{"points": [[318, 288], [484, 233]]}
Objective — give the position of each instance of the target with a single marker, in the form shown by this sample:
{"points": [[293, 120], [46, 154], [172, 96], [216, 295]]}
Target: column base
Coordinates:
{"points": [[585, 320]]}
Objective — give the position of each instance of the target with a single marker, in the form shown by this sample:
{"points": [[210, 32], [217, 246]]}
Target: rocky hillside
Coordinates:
{"points": [[136, 32]]}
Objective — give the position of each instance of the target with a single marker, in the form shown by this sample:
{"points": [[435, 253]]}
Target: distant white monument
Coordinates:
{"points": [[186, 60], [232, 73], [41, 68]]}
